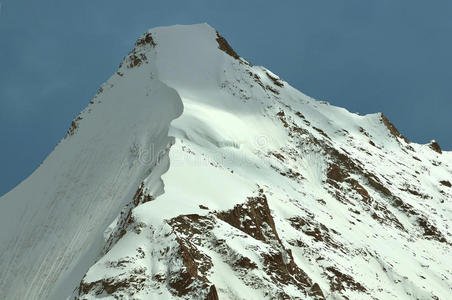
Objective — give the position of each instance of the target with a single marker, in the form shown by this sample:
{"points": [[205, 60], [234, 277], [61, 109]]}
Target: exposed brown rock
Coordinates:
{"points": [[318, 231], [282, 116], [299, 114], [321, 132], [140, 196], [363, 131], [277, 155], [276, 81], [212, 295], [344, 160], [430, 231], [446, 183], [136, 60], [128, 285], [72, 129], [255, 219], [435, 147], [317, 291], [392, 129], [74, 126], [246, 263], [340, 171], [260, 218], [336, 173], [191, 225], [267, 87], [292, 174], [224, 46], [340, 281], [159, 278], [384, 216], [360, 190], [295, 130], [146, 40], [283, 272], [405, 207], [257, 79], [192, 277], [377, 185], [181, 282], [415, 192]]}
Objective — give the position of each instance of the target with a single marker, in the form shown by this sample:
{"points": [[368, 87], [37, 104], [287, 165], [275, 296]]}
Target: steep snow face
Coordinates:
{"points": [[52, 224], [195, 175]]}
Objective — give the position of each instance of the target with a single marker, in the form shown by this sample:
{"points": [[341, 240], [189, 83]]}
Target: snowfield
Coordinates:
{"points": [[194, 175]]}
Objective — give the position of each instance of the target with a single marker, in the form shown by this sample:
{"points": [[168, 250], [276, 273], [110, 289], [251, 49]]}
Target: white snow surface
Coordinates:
{"points": [[190, 125]]}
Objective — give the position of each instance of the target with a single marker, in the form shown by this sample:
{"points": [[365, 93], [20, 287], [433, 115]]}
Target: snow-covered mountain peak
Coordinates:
{"points": [[194, 175], [192, 55]]}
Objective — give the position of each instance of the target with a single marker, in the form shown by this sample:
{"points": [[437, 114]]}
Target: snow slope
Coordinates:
{"points": [[194, 175]]}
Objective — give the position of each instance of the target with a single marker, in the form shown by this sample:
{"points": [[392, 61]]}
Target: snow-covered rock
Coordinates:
{"points": [[194, 175]]}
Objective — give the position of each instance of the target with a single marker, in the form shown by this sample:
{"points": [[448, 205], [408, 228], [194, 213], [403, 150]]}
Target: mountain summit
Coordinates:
{"points": [[194, 175]]}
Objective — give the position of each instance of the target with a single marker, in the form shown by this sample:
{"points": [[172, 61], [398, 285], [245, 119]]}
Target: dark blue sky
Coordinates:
{"points": [[364, 55]]}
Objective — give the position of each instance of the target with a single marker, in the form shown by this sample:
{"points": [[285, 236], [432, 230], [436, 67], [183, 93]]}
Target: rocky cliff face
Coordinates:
{"points": [[195, 175]]}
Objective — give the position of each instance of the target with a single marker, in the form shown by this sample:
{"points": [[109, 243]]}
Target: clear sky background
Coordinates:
{"points": [[365, 55]]}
